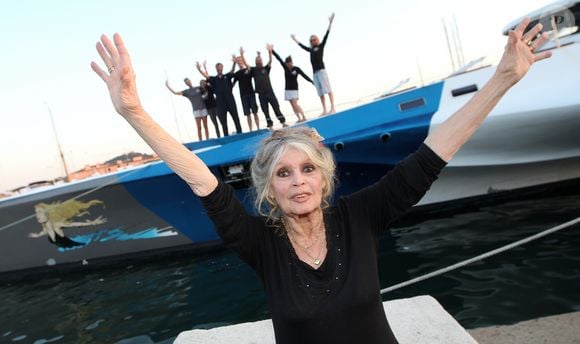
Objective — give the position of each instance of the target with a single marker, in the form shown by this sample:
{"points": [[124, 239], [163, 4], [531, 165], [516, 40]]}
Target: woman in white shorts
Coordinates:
{"points": [[291, 73], [198, 104]]}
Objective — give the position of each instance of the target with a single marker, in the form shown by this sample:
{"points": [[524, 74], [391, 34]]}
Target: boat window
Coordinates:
{"points": [[464, 90], [415, 103]]}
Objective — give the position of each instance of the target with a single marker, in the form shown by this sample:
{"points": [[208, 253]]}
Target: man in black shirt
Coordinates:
{"points": [[247, 93], [261, 75], [222, 87], [321, 81]]}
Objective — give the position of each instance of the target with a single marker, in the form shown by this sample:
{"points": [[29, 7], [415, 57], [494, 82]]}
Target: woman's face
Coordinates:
{"points": [[297, 184]]}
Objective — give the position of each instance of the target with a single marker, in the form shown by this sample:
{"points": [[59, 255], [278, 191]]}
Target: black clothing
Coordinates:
{"points": [[291, 74], [222, 87], [266, 94], [261, 77], [244, 78], [316, 53], [270, 98], [340, 302], [210, 104], [208, 97]]}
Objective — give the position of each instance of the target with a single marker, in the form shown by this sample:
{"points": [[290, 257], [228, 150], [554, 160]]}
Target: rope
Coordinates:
{"points": [[482, 256], [12, 224]]}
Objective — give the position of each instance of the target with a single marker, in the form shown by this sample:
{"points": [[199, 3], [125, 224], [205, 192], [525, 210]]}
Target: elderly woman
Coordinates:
{"points": [[317, 263]]}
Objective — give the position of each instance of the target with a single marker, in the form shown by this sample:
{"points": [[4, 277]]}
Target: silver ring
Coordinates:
{"points": [[111, 69]]}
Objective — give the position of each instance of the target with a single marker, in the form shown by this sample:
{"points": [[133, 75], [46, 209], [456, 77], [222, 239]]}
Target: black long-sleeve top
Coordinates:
{"points": [[291, 74], [316, 53], [340, 302]]}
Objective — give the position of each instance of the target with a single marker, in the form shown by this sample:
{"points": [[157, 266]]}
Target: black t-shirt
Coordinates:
{"points": [[208, 97], [316, 53], [244, 78], [340, 302], [222, 85], [291, 74], [261, 77]]}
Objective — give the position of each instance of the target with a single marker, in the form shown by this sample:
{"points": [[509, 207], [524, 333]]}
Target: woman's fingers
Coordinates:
{"points": [[531, 35], [104, 55], [111, 51], [104, 76], [519, 30], [122, 52], [542, 55]]}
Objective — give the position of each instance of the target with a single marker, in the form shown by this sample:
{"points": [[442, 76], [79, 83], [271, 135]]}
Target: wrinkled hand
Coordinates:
{"points": [[270, 47], [197, 65], [242, 51], [519, 54], [119, 77]]}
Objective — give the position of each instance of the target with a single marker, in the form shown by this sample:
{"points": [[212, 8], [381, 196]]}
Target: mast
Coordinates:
{"points": [[58, 143], [448, 46]]}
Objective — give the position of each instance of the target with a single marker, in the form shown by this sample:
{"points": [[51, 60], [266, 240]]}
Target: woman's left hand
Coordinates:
{"points": [[519, 54]]}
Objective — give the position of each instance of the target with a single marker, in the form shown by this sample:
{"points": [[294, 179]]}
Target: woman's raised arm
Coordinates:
{"points": [[120, 80], [518, 57]]}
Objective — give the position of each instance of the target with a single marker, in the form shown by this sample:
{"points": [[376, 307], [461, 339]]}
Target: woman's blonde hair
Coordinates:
{"points": [[302, 138]]}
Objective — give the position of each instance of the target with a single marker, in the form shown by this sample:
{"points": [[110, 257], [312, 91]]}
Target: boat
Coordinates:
{"points": [[529, 140]]}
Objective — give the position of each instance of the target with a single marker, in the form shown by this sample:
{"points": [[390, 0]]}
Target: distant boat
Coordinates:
{"points": [[530, 139]]}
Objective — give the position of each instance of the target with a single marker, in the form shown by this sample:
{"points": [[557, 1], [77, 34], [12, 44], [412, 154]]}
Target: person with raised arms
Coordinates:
{"points": [[291, 73], [316, 50], [316, 261]]}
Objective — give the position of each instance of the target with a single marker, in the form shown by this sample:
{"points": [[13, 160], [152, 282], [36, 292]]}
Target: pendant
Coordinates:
{"points": [[317, 261]]}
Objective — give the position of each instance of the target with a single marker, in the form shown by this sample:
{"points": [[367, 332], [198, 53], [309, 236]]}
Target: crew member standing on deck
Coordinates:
{"points": [[199, 110], [321, 81], [291, 73], [210, 104], [261, 75], [317, 262], [222, 87], [247, 93]]}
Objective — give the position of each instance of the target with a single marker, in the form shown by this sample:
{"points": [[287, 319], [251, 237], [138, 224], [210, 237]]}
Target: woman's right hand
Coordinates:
{"points": [[119, 77]]}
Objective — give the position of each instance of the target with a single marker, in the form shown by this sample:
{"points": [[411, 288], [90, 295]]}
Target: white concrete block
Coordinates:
{"points": [[417, 320]]}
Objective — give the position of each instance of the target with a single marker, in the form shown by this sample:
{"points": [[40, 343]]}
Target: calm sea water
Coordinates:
{"points": [[153, 302]]}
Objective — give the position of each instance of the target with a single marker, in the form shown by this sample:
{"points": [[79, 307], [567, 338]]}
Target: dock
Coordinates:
{"points": [[555, 329], [419, 319]]}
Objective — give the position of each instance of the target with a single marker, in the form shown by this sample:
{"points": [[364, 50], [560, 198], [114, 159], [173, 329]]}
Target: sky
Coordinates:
{"points": [[48, 47]]}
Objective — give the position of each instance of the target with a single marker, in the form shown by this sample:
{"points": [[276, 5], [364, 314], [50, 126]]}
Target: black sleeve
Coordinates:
{"points": [[304, 75], [239, 230], [323, 43], [304, 47], [279, 59], [401, 188]]}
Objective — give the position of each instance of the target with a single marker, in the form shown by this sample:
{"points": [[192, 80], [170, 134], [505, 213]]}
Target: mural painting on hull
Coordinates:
{"points": [[55, 217]]}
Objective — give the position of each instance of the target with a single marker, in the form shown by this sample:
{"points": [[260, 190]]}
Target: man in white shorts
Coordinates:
{"points": [[321, 82]]}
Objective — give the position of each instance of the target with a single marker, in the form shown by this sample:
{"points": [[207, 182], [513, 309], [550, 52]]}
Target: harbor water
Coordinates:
{"points": [[152, 301]]}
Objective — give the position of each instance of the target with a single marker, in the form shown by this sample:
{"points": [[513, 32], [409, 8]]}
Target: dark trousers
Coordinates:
{"points": [[270, 98], [224, 105], [213, 116]]}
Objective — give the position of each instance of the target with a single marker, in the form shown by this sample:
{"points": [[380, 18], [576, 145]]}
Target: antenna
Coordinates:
{"points": [[58, 143], [174, 112], [448, 46], [458, 47]]}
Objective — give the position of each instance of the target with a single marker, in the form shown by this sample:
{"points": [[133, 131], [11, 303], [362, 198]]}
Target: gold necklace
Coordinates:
{"points": [[316, 260]]}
